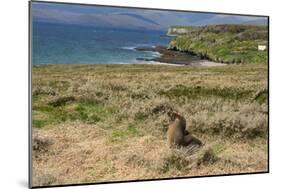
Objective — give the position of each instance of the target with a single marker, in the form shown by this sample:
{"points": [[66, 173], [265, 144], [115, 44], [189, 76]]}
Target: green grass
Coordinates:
{"points": [[218, 148], [202, 92], [225, 43], [92, 112], [39, 123], [74, 111], [262, 97], [122, 134]]}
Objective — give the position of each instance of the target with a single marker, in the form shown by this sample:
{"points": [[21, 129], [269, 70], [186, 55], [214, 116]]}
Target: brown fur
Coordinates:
{"points": [[177, 134]]}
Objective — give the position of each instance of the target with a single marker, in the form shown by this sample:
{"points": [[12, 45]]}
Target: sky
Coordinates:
{"points": [[117, 17]]}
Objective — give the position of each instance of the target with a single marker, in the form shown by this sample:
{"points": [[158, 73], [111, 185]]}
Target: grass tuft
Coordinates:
{"points": [[40, 143], [174, 161], [261, 97], [61, 100], [208, 157], [41, 178]]}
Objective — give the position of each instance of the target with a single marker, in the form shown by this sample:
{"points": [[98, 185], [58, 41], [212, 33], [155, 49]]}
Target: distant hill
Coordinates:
{"points": [[140, 18], [257, 22], [132, 18]]}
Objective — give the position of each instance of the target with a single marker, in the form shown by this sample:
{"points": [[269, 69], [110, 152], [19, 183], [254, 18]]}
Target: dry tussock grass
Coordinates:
{"points": [[109, 122]]}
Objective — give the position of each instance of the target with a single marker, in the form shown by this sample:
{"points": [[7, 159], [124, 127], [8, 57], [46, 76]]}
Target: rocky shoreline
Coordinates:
{"points": [[175, 57]]}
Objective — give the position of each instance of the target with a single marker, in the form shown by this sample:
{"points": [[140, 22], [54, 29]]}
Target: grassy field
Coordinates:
{"points": [[95, 123], [224, 43]]}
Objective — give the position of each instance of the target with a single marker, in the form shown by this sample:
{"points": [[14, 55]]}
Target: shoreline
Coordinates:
{"points": [[164, 57], [202, 63], [176, 58]]}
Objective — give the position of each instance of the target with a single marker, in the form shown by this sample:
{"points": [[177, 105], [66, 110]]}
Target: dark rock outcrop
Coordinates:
{"points": [[169, 56]]}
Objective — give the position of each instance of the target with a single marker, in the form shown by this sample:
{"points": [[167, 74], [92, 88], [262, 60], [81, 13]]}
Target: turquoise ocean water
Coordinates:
{"points": [[74, 44]]}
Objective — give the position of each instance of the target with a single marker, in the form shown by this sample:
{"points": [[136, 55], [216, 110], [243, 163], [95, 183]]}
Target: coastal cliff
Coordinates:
{"points": [[222, 43]]}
